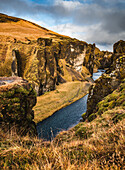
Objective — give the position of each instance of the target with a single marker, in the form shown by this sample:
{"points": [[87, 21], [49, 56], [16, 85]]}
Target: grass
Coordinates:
{"points": [[87, 146], [94, 145], [64, 95]]}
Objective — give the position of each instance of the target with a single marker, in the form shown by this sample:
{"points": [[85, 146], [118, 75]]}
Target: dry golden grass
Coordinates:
{"points": [[22, 29], [94, 145], [64, 95], [104, 149]]}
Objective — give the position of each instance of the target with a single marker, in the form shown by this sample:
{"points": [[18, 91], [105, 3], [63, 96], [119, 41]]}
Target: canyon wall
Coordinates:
{"points": [[46, 62], [109, 81], [46, 58]]}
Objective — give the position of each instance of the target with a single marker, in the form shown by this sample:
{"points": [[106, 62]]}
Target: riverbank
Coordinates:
{"points": [[64, 95]]}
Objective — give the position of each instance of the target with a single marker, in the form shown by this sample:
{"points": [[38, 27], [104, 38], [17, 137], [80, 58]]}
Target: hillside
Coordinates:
{"points": [[12, 27]]}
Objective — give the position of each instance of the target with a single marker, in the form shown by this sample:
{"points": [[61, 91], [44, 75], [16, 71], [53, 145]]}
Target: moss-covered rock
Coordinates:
{"points": [[103, 59], [84, 116], [113, 104], [119, 47], [17, 99], [47, 62], [106, 85]]}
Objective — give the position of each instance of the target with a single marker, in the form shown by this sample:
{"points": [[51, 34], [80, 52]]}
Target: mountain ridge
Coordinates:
{"points": [[13, 23]]}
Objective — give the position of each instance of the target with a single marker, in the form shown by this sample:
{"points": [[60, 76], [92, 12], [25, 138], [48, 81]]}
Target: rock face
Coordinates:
{"points": [[108, 82], [17, 98], [119, 47], [46, 62], [46, 58], [103, 59], [89, 58], [41, 56]]}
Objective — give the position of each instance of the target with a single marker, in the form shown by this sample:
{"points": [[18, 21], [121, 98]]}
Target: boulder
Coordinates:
{"points": [[17, 98], [109, 81]]}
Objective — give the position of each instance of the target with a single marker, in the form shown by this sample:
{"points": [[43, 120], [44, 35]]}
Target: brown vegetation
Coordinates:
{"points": [[98, 144]]}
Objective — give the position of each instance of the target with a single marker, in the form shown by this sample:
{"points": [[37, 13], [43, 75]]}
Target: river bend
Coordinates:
{"points": [[65, 118]]}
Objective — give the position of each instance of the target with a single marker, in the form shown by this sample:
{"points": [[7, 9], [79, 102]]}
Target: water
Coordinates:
{"points": [[98, 74], [9, 81], [3, 82], [64, 118]]}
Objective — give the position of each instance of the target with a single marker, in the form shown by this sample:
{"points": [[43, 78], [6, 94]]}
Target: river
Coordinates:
{"points": [[64, 118]]}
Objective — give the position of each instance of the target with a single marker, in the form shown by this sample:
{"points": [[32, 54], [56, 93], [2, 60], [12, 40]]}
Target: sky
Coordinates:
{"points": [[95, 21]]}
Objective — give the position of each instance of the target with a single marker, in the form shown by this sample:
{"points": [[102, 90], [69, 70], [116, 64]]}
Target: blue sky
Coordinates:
{"points": [[94, 21]]}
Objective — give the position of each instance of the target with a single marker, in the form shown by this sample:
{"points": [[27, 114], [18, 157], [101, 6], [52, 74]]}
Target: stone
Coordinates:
{"points": [[109, 81], [17, 98]]}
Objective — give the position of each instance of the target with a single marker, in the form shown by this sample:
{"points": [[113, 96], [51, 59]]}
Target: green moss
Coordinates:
{"points": [[78, 126], [111, 105], [123, 104], [81, 132], [101, 109], [115, 99], [118, 117], [16, 107], [9, 93], [21, 90], [92, 117], [105, 104], [84, 116]]}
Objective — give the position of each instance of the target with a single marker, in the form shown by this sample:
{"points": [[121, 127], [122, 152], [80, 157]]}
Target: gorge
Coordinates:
{"points": [[65, 118], [43, 72]]}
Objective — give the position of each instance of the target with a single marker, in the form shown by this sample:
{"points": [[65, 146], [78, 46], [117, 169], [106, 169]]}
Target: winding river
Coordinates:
{"points": [[64, 118]]}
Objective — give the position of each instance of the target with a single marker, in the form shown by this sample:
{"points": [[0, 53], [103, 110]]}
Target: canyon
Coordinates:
{"points": [[43, 71]]}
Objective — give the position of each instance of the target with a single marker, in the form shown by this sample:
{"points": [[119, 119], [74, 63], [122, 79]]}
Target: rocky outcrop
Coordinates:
{"points": [[102, 87], [42, 56], [103, 59], [108, 82], [47, 62], [17, 98], [119, 47], [46, 58], [89, 58]]}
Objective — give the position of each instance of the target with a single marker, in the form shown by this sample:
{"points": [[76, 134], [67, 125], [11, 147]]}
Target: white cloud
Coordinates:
{"points": [[91, 34], [70, 5], [101, 21]]}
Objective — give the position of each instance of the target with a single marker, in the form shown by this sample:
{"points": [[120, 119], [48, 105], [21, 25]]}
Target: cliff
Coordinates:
{"points": [[109, 81], [43, 57], [103, 59], [17, 98]]}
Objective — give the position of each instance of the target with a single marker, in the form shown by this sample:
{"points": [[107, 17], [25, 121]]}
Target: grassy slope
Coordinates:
{"points": [[12, 27], [64, 95], [98, 144]]}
